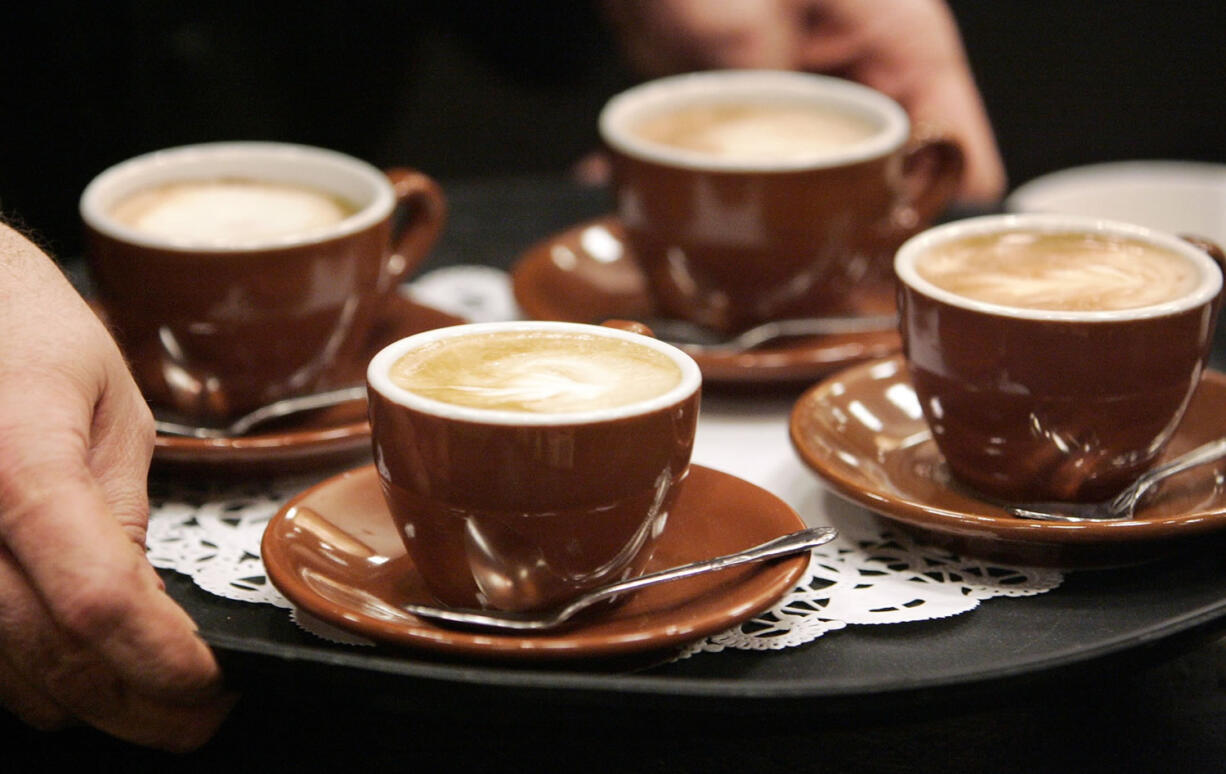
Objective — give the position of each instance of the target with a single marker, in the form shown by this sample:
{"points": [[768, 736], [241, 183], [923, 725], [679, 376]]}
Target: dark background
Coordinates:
{"points": [[467, 89]]}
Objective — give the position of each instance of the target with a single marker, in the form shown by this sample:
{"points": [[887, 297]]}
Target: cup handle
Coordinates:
{"points": [[932, 165], [630, 326], [417, 222], [1217, 254]]}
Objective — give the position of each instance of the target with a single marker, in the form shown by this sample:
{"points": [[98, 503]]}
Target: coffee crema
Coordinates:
{"points": [[535, 372], [1059, 271], [229, 211], [756, 131]]}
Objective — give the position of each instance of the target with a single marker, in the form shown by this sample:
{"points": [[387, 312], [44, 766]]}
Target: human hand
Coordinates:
{"points": [[908, 49], [87, 633]]}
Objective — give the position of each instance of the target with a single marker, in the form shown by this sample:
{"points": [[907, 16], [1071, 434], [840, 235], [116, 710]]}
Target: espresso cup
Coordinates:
{"points": [[526, 462], [237, 274], [756, 195], [1053, 356]]}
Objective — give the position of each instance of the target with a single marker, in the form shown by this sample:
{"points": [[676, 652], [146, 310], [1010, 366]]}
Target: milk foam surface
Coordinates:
{"points": [[539, 372], [756, 131], [229, 211], [1059, 271]]}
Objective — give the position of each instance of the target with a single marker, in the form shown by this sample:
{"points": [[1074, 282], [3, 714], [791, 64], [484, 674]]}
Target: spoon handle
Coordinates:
{"points": [[786, 545], [295, 405], [1201, 455], [689, 335], [263, 414], [817, 326]]}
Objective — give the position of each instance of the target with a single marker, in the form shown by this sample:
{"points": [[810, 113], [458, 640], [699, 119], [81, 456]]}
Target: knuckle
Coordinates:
{"points": [[131, 412], [96, 607], [144, 428], [28, 489]]}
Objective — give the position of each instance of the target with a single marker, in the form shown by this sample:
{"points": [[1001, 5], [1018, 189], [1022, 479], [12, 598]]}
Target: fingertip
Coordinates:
{"points": [[175, 727]]}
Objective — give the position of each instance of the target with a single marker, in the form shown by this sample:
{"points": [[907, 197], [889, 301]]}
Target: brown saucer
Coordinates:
{"points": [[861, 430], [326, 437], [333, 551], [587, 274]]}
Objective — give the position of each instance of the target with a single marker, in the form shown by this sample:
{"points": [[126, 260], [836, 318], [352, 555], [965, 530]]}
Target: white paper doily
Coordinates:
{"points": [[871, 574]]}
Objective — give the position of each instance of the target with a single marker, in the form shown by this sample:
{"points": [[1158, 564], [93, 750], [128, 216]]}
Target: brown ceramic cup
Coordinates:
{"points": [[732, 240], [1031, 404], [520, 509], [214, 327]]}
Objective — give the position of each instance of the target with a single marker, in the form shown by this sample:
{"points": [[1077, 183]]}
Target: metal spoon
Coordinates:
{"points": [[541, 620], [276, 410], [1124, 504], [689, 335]]}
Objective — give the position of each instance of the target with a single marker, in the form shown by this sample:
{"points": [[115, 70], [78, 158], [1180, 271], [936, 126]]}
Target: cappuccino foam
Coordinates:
{"points": [[754, 131], [1059, 271], [229, 211], [535, 371]]}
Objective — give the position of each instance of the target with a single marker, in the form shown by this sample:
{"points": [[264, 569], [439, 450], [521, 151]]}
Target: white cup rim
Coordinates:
{"points": [[757, 85], [908, 253], [285, 162], [380, 365]]}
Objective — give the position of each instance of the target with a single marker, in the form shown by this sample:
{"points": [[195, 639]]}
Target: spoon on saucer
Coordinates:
{"points": [[690, 335], [1123, 505], [281, 408], [543, 620]]}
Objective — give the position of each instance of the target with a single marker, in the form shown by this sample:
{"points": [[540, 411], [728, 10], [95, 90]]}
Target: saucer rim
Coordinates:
{"points": [[775, 580], [801, 360], [987, 522], [1131, 183], [340, 432], [1029, 196]]}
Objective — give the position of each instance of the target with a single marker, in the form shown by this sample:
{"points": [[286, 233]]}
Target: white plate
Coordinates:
{"points": [[1180, 197]]}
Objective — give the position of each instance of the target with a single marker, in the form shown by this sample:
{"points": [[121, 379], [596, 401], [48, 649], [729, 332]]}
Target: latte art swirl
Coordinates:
{"points": [[542, 382], [1059, 271], [535, 372]]}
